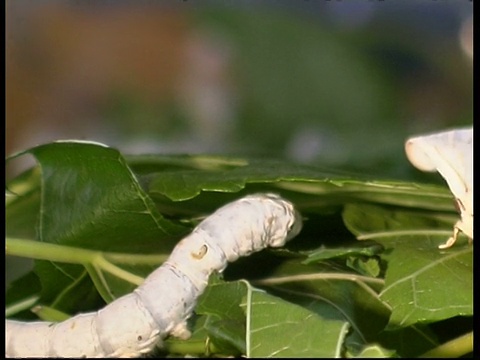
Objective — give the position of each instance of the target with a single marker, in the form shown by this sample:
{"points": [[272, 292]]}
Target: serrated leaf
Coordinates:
{"points": [[23, 204], [324, 253], [88, 190], [91, 199], [333, 187], [368, 221], [335, 292], [277, 328], [226, 320], [67, 288], [368, 267], [422, 282], [338, 287]]}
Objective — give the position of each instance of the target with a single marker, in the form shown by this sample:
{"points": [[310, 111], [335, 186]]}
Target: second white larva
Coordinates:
{"points": [[451, 154], [135, 323]]}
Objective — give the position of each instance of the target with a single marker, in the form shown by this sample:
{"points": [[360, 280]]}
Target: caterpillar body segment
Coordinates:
{"points": [[135, 323]]}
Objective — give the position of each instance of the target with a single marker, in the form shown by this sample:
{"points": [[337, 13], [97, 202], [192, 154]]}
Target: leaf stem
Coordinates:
{"points": [[462, 345], [54, 252], [47, 313], [95, 261], [135, 259], [46, 251], [318, 276], [419, 232], [117, 271], [24, 304], [189, 347]]}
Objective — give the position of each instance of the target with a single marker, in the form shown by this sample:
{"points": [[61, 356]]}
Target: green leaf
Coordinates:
{"points": [[368, 267], [105, 223], [375, 351], [277, 328], [47, 313], [373, 222], [332, 291], [226, 320], [310, 187], [105, 194], [91, 199], [23, 204], [60, 282], [324, 253], [408, 342], [422, 282], [231, 301], [22, 294]]}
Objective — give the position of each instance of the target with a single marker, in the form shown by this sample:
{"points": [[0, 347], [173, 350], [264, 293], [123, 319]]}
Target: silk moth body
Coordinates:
{"points": [[134, 324], [451, 154]]}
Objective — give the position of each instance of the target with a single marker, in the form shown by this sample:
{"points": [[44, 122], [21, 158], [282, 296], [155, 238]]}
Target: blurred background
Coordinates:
{"points": [[332, 83]]}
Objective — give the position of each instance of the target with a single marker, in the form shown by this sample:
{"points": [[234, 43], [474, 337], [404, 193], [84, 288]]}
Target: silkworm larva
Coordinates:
{"points": [[134, 324]]}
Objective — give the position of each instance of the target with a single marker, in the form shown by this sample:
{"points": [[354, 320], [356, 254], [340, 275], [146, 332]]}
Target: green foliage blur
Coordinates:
{"points": [[335, 84]]}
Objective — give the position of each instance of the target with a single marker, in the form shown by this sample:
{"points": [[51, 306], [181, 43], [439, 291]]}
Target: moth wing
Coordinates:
{"points": [[451, 154]]}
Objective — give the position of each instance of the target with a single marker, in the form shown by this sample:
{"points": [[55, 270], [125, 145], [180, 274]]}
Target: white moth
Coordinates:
{"points": [[134, 324], [451, 154]]}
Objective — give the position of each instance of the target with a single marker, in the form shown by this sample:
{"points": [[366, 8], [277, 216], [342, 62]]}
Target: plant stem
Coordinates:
{"points": [[189, 347], [46, 251], [118, 272], [47, 313], [454, 348], [53, 252], [319, 276], [94, 260], [135, 259], [24, 304]]}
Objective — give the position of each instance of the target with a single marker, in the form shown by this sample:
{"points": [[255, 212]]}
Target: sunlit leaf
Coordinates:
{"points": [[277, 328], [324, 294], [422, 283]]}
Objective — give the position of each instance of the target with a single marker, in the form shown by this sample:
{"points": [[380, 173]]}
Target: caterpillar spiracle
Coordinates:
{"points": [[451, 154], [135, 323]]}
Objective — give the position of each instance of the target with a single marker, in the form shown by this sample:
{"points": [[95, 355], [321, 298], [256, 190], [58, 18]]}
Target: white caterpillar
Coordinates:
{"points": [[451, 154], [134, 324]]}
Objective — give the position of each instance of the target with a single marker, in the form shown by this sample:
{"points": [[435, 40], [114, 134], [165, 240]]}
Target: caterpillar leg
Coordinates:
{"points": [[457, 229], [451, 240], [181, 331]]}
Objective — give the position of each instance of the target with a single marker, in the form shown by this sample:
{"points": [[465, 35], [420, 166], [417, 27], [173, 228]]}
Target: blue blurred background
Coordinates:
{"points": [[332, 83]]}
